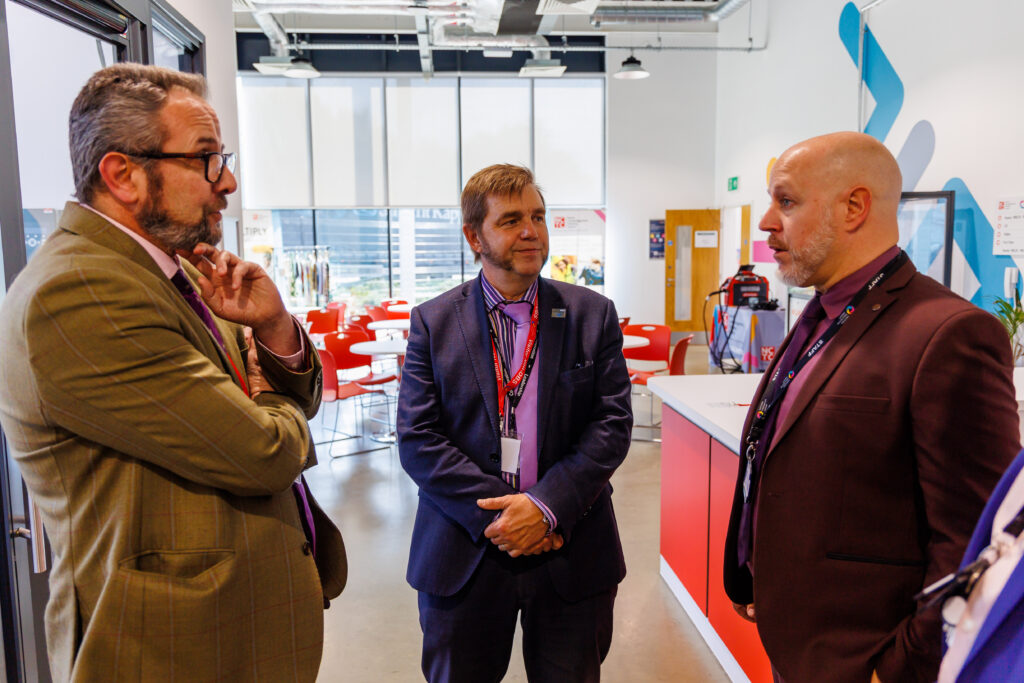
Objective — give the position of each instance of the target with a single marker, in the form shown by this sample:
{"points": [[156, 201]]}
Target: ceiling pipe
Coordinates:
{"points": [[623, 14], [340, 7], [274, 32], [304, 45]]}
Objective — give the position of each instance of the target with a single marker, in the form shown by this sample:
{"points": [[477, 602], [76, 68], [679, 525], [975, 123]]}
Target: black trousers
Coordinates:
{"points": [[467, 637]]}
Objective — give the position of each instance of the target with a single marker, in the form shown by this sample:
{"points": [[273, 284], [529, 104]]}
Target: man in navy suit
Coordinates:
{"points": [[513, 415]]}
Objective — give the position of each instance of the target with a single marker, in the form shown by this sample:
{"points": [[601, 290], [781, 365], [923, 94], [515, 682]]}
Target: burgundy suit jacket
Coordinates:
{"points": [[879, 472]]}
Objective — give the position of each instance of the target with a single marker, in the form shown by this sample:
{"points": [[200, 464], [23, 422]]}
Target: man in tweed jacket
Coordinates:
{"points": [[163, 444]]}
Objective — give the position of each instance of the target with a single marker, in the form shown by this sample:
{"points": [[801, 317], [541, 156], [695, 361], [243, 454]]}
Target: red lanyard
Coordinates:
{"points": [[514, 382]]}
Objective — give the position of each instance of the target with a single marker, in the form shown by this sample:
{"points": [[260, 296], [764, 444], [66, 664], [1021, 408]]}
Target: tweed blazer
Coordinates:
{"points": [[871, 488], [178, 550]]}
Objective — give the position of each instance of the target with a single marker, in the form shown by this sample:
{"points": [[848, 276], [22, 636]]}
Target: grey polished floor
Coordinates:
{"points": [[372, 631]]}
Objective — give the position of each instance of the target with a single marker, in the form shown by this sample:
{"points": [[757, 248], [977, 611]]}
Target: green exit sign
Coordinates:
{"points": [[734, 183]]}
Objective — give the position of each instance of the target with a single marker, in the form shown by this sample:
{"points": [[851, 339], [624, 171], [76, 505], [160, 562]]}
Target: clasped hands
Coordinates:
{"points": [[520, 528]]}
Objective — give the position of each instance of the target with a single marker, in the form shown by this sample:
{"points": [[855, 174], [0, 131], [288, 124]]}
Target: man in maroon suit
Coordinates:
{"points": [[874, 438]]}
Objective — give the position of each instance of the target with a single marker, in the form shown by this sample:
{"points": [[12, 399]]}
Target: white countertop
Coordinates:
{"points": [[717, 404]]}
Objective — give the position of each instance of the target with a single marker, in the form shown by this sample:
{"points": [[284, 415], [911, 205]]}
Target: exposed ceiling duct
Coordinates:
{"points": [[661, 12]]}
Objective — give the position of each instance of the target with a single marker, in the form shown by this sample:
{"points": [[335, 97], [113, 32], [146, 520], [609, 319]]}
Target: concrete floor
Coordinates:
{"points": [[372, 630]]}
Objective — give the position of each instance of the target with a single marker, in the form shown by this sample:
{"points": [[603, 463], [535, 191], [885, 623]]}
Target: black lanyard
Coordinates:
{"points": [[773, 395], [776, 390]]}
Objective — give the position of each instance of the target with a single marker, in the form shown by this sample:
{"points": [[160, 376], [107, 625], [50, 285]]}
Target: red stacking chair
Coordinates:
{"points": [[333, 393], [388, 303], [360, 321], [676, 367], [322, 322], [376, 313], [623, 322], [340, 348], [657, 351]]}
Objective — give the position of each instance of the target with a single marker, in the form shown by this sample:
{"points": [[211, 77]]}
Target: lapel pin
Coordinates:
{"points": [[557, 312], [876, 307]]}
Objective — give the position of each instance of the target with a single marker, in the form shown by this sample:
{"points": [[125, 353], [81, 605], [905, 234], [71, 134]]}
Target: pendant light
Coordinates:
{"points": [[632, 69]]}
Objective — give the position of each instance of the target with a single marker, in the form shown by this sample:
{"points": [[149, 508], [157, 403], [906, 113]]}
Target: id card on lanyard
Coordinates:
{"points": [[510, 390]]}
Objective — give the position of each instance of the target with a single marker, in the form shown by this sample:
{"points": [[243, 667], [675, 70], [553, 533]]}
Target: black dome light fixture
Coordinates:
{"points": [[632, 69]]}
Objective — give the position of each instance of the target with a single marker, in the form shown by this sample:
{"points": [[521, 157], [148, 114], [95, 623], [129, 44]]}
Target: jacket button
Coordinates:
{"points": [[306, 548], [494, 457], [586, 512]]}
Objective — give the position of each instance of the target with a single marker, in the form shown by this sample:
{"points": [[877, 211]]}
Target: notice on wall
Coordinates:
{"points": [[258, 238], [576, 242], [1009, 228], [657, 237], [705, 239]]}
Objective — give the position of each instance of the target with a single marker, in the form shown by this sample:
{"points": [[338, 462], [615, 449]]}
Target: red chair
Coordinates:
{"points": [[397, 315], [356, 332], [377, 313], [388, 303], [676, 367], [333, 393], [322, 322], [341, 348], [659, 337], [623, 322], [360, 321]]}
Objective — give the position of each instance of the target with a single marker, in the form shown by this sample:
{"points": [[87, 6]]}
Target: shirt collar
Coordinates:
{"points": [[493, 298], [839, 295], [168, 265]]}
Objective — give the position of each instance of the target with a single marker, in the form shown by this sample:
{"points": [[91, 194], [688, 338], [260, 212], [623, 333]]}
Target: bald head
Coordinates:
{"points": [[835, 200], [845, 160]]}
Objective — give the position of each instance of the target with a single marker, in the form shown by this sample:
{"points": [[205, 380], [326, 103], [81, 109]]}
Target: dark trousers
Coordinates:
{"points": [[467, 637]]}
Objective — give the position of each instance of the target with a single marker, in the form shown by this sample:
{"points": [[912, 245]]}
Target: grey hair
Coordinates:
{"points": [[118, 110]]}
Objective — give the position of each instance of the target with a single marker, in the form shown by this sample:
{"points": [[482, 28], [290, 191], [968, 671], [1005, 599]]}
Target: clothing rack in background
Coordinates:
{"points": [[308, 275]]}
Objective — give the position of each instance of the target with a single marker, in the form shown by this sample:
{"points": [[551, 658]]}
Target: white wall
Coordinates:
{"points": [[958, 68], [215, 20], [661, 155]]}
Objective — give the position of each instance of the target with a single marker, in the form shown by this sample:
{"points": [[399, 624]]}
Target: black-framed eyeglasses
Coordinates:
{"points": [[215, 162]]}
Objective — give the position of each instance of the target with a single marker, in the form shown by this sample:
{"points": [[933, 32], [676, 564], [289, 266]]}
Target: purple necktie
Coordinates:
{"points": [[526, 411], [185, 287], [197, 305], [812, 315]]}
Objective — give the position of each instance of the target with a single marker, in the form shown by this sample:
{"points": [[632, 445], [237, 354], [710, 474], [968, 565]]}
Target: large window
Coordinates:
{"points": [[366, 172]]}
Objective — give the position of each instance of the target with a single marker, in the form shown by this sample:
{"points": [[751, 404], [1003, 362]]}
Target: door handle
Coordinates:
{"points": [[37, 539]]}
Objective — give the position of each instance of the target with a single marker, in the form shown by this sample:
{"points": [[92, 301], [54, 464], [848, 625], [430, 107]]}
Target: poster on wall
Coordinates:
{"points": [[576, 248], [657, 234], [258, 238], [1009, 233]]}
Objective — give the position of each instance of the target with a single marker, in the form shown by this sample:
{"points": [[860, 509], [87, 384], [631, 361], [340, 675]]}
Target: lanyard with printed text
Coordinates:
{"points": [[776, 389], [515, 385]]}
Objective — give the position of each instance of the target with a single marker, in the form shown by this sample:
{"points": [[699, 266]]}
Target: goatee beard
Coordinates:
{"points": [[155, 219]]}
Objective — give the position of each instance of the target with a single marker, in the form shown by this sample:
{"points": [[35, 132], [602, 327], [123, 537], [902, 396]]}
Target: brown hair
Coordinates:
{"points": [[502, 180], [118, 109]]}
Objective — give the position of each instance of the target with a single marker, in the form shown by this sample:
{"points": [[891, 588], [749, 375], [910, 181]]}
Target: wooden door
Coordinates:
{"points": [[691, 266]]}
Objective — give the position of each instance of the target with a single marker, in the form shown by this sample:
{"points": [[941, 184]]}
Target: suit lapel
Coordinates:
{"points": [[472, 319], [868, 311], [81, 221], [550, 331]]}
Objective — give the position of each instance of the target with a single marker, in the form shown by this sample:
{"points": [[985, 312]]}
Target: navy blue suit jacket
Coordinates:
{"points": [[998, 650], [449, 441]]}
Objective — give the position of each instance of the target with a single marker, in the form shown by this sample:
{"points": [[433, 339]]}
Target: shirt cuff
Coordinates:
{"points": [[295, 362], [549, 516]]}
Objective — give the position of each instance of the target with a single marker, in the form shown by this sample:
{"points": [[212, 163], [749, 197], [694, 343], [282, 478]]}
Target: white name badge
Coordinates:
{"points": [[510, 454]]}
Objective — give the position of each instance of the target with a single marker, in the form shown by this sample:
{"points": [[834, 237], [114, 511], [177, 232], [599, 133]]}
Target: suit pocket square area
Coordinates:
{"points": [[853, 404]]}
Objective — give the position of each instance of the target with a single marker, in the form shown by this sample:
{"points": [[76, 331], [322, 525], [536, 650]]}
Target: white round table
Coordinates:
{"points": [[391, 324], [632, 341], [401, 308], [380, 347]]}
